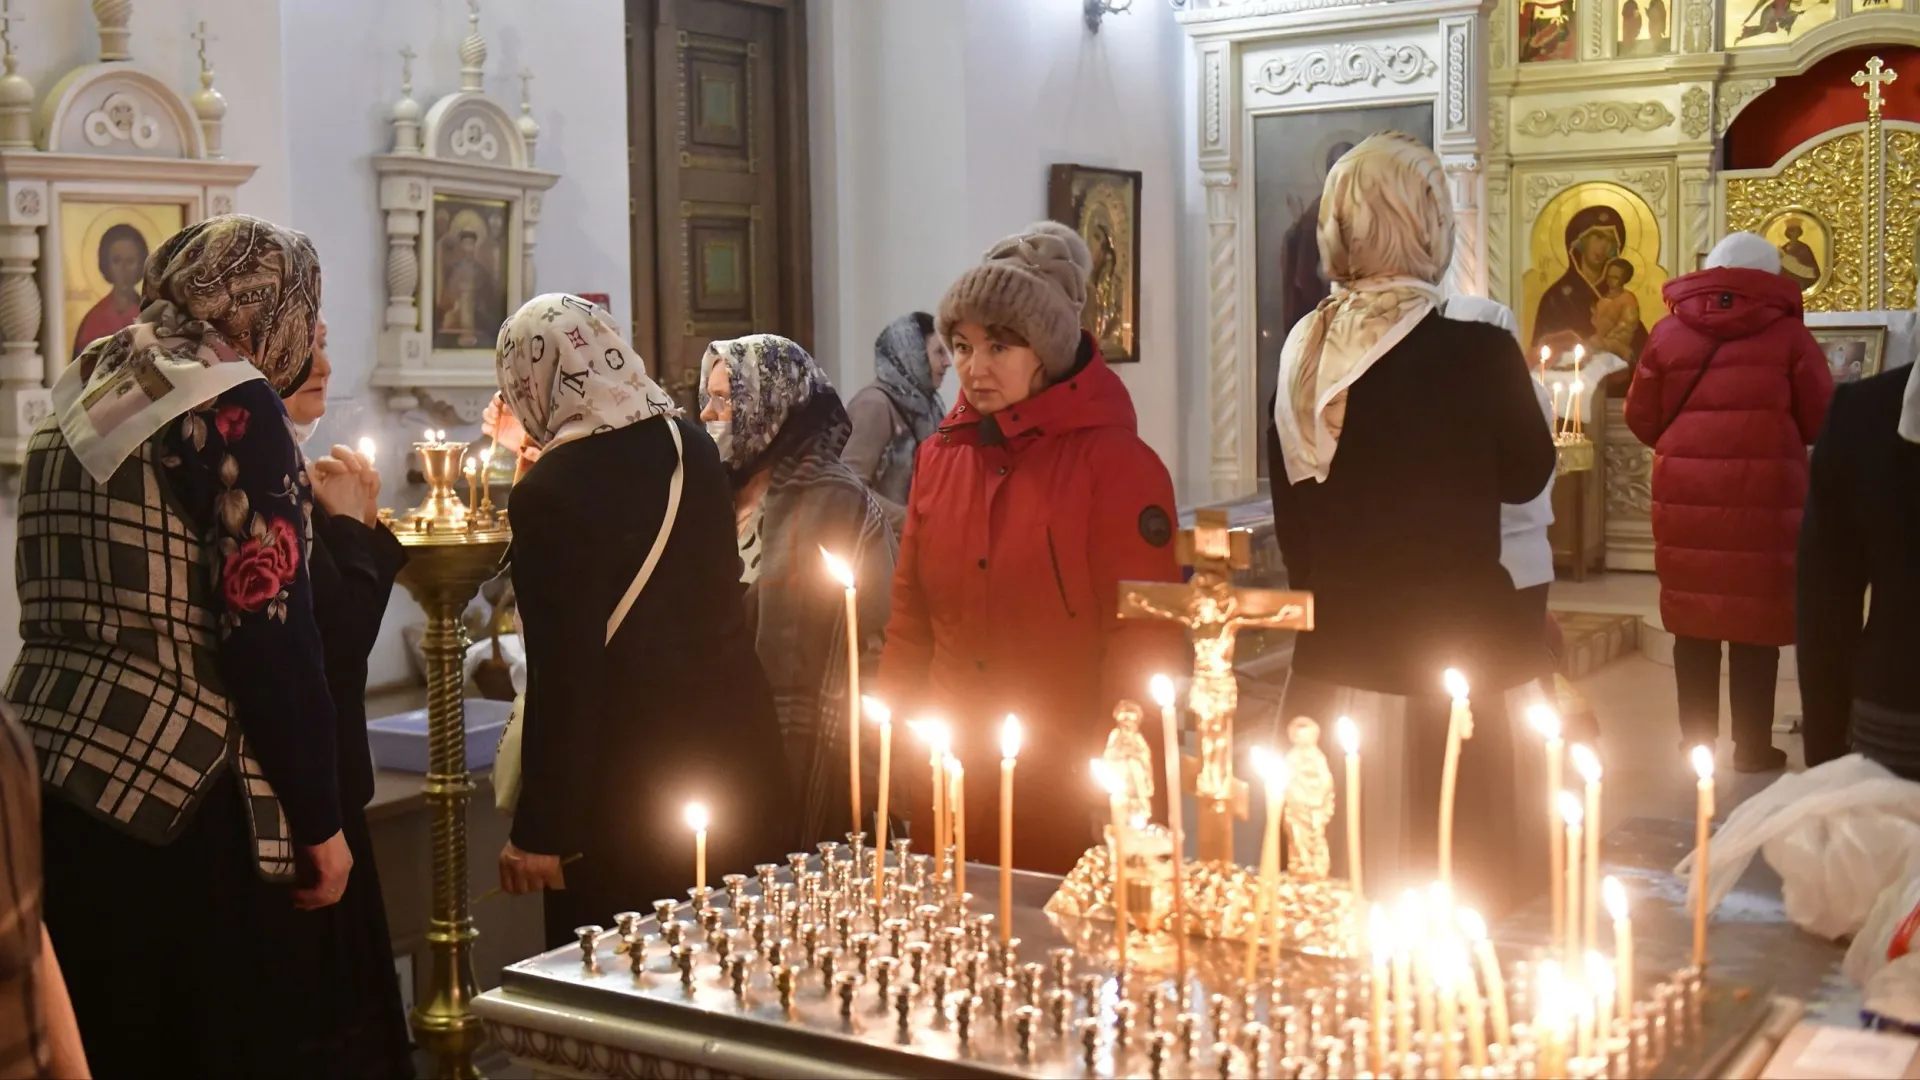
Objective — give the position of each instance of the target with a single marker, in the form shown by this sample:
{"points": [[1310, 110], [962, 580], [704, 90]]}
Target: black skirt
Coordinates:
{"points": [[182, 960]]}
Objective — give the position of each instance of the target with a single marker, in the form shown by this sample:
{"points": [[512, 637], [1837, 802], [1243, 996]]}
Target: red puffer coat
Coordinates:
{"points": [[1005, 600], [1730, 472]]}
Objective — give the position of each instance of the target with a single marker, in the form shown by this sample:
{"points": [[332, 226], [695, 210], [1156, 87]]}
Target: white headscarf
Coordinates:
{"points": [[1386, 237], [1746, 250], [566, 374]]}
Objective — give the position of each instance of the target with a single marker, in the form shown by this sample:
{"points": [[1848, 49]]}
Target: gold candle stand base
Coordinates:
{"points": [[1573, 453]]}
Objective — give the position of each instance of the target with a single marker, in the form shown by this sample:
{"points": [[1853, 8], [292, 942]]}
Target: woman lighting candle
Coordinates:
{"points": [[843, 574], [883, 717], [1547, 723], [1162, 689], [1459, 730], [1616, 896], [1009, 750], [697, 821], [1702, 835], [1345, 730], [1587, 764], [1571, 815]]}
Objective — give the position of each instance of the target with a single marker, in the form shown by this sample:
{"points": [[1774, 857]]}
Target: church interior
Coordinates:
{"points": [[694, 175]]}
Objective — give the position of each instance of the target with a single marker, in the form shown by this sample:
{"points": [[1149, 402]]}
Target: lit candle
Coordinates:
{"points": [[1579, 354], [1616, 895], [1550, 1018], [428, 438], [1380, 940], [1702, 834], [1444, 982], [934, 734], [843, 574], [697, 821], [1470, 1001], [1162, 689], [472, 469], [882, 716], [1405, 938], [1459, 729], [1476, 930], [1547, 723], [366, 448], [1600, 990], [1272, 770], [1546, 354], [1348, 733], [957, 804], [1009, 750], [1559, 417], [1117, 803], [1573, 405], [1571, 814], [1587, 764]]}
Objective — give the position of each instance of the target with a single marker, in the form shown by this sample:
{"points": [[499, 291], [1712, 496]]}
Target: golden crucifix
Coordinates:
{"points": [[1873, 78], [1214, 612]]}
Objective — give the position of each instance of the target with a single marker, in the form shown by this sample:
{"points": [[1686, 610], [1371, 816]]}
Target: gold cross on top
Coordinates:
{"points": [[1873, 78]]}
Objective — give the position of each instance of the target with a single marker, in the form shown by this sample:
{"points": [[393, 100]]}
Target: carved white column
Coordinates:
{"points": [[24, 399], [1499, 250], [1697, 234], [1225, 391], [403, 269], [1461, 111], [1468, 272]]}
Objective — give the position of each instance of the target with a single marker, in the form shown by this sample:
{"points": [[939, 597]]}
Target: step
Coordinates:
{"points": [[1594, 640]]}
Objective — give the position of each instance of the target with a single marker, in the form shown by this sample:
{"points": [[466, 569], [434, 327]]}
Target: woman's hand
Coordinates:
{"points": [[522, 872], [324, 867], [347, 485], [499, 423]]}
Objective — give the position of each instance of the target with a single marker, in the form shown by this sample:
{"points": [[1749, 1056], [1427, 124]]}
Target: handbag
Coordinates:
{"points": [[506, 757]]}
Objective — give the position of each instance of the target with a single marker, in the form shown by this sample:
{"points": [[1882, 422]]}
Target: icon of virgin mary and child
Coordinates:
{"points": [[1589, 304]]}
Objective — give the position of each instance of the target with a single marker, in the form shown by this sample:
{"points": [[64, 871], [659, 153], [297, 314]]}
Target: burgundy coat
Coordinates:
{"points": [[1730, 471], [1005, 600]]}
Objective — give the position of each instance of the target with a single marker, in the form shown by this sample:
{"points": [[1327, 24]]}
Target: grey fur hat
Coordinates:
{"points": [[1033, 283]]}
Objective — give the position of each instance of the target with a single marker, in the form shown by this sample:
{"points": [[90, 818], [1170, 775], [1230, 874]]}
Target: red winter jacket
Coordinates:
{"points": [[1730, 472], [1005, 595]]}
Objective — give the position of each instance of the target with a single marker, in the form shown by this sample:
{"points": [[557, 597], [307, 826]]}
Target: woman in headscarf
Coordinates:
{"points": [[899, 410], [172, 676], [780, 427], [1401, 433], [643, 693]]}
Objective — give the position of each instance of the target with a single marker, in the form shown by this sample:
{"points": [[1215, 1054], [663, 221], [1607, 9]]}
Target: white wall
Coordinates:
{"points": [[934, 123]]}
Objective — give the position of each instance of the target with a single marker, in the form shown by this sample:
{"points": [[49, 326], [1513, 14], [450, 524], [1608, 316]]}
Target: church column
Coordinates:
{"points": [[1696, 210], [1463, 108], [24, 398], [1230, 379]]}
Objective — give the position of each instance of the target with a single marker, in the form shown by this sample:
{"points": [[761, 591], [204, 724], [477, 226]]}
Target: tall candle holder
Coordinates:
{"points": [[451, 551]]}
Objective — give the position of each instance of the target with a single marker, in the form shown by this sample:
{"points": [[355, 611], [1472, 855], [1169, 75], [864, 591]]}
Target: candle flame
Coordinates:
{"points": [[1472, 925], [1545, 721], [838, 567], [1456, 684], [1105, 777], [366, 448], [697, 816], [1549, 991], [1703, 762], [1161, 688], [876, 710], [1616, 897], [955, 771], [1272, 769], [1410, 919], [1379, 932], [1445, 963], [1585, 762], [934, 733], [1577, 387], [1570, 810], [1579, 353], [472, 465], [1348, 732], [1545, 354], [1010, 737], [1599, 976], [427, 436]]}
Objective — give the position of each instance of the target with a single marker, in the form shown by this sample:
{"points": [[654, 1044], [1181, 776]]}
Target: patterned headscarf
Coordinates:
{"points": [[1386, 237], [905, 374], [224, 300], [566, 373], [780, 397]]}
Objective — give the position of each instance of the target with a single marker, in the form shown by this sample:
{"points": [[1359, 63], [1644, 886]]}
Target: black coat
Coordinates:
{"points": [[619, 736], [1861, 529], [1400, 545], [353, 568]]}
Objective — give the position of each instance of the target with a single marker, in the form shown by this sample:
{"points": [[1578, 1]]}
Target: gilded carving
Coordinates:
{"points": [[1497, 125], [1903, 217], [1629, 481], [1733, 97], [1651, 184], [1594, 117], [1541, 187], [1345, 65], [1831, 177], [1693, 112], [1500, 58]]}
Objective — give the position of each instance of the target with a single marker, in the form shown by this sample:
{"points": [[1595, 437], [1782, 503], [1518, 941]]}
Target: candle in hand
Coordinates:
{"points": [[697, 821], [1547, 723], [1571, 814], [1348, 733], [1459, 729], [1009, 750], [843, 573], [1587, 764], [883, 717], [1616, 895], [1162, 689], [1702, 835]]}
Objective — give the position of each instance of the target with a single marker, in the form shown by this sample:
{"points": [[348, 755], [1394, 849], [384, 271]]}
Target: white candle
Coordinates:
{"points": [[843, 573], [1600, 989], [697, 821], [366, 448], [1345, 730], [1547, 723], [1272, 770], [1546, 354], [1445, 982], [1162, 690], [1616, 895], [957, 802], [1587, 764], [1571, 814], [1116, 802], [1702, 835], [1380, 942], [1459, 729], [883, 717], [1475, 928], [1009, 750]]}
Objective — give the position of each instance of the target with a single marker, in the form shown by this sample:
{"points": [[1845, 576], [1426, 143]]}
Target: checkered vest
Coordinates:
{"points": [[118, 679]]}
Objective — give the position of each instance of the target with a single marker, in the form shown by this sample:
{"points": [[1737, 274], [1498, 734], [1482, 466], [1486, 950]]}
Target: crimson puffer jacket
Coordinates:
{"points": [[1730, 471], [1005, 600]]}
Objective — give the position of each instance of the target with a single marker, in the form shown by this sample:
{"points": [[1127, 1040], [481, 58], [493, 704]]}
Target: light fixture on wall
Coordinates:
{"points": [[1100, 9]]}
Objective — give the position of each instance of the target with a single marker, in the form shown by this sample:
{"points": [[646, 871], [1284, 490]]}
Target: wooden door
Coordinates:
{"points": [[717, 118]]}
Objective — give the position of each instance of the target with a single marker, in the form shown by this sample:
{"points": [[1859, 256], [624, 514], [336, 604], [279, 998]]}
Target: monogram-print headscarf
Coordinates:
{"points": [[224, 300], [1386, 237], [566, 373], [780, 397], [904, 373]]}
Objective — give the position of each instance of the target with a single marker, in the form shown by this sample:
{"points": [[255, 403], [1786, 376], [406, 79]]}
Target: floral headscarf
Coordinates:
{"points": [[777, 389], [224, 300], [1386, 237], [905, 374], [566, 373]]}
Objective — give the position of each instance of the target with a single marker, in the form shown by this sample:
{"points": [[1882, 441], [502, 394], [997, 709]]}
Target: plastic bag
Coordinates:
{"points": [[1892, 930], [1838, 835], [1893, 993]]}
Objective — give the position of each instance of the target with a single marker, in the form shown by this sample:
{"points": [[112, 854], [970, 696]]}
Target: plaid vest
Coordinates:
{"points": [[118, 679]]}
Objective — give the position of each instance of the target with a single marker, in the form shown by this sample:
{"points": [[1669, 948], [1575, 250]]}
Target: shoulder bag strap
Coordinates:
{"points": [[1681, 406], [660, 539]]}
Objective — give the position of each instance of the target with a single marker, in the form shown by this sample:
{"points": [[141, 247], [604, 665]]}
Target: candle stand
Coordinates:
{"points": [[451, 551]]}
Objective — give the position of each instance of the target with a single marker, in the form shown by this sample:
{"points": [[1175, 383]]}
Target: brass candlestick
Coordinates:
{"points": [[451, 551]]}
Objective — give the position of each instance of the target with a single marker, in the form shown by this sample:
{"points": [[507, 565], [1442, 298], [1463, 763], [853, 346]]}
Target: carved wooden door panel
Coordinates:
{"points": [[721, 91]]}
